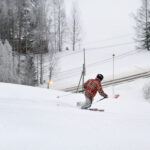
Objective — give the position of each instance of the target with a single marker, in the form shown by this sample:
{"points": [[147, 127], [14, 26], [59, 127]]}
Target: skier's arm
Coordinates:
{"points": [[101, 92], [86, 83]]}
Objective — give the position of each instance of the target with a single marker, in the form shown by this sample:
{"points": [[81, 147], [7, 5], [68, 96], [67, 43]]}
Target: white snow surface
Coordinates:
{"points": [[36, 119]]}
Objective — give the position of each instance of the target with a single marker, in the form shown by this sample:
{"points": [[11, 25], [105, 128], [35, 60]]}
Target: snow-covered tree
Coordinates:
{"points": [[4, 20], [30, 71], [143, 25], [25, 24], [8, 66]]}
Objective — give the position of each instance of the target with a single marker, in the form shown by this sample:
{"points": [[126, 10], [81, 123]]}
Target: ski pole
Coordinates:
{"points": [[99, 100], [65, 95], [96, 101], [115, 96]]}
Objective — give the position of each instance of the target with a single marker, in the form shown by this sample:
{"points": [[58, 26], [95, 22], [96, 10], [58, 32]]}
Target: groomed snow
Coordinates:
{"points": [[36, 119]]}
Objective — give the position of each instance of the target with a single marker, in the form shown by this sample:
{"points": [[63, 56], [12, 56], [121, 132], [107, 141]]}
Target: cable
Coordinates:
{"points": [[79, 69], [95, 62], [110, 46], [108, 39], [97, 48], [69, 75]]}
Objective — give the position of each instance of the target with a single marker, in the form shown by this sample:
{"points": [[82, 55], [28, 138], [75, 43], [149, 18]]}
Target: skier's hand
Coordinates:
{"points": [[105, 96]]}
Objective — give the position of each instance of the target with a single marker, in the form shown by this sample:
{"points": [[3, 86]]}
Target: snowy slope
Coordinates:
{"points": [[35, 119]]}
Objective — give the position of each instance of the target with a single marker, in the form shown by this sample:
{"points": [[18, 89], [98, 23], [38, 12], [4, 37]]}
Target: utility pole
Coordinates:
{"points": [[113, 73], [83, 72], [83, 68]]}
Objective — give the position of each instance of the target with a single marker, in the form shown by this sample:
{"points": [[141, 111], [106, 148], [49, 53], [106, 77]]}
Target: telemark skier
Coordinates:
{"points": [[91, 87]]}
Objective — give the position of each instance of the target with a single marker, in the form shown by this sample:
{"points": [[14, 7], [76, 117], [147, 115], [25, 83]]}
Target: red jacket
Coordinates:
{"points": [[92, 86]]}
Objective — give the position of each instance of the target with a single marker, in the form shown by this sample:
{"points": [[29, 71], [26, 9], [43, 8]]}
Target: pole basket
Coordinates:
{"points": [[116, 96]]}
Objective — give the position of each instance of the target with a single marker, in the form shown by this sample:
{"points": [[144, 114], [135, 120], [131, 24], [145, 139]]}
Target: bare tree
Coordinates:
{"points": [[40, 43], [59, 24], [75, 26], [30, 70], [52, 64]]}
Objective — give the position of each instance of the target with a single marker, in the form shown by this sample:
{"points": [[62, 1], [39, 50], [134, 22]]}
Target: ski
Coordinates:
{"points": [[95, 109]]}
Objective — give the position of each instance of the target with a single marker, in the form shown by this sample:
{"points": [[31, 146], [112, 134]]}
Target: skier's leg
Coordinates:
{"points": [[79, 104], [87, 103]]}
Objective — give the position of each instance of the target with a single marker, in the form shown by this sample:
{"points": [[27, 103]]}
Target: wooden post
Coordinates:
{"points": [[79, 82], [83, 72]]}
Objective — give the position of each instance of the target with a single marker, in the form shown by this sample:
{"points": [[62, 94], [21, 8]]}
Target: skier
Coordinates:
{"points": [[91, 87]]}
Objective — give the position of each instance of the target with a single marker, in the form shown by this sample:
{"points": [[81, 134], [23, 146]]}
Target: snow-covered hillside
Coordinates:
{"points": [[126, 62], [36, 119]]}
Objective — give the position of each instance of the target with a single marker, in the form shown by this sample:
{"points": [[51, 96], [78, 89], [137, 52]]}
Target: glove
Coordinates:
{"points": [[105, 96]]}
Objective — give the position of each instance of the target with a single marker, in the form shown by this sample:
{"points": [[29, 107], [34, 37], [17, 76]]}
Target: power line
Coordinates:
{"points": [[108, 39], [110, 46], [109, 59], [96, 48], [70, 73]]}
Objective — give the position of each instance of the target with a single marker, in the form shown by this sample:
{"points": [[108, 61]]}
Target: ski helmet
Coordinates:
{"points": [[100, 76]]}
